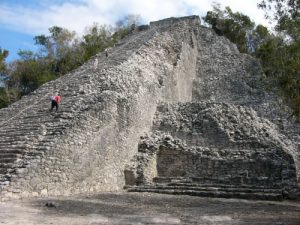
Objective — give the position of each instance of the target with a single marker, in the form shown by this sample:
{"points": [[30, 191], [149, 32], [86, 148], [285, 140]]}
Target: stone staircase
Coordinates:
{"points": [[216, 190], [25, 138], [86, 145], [27, 127], [78, 148]]}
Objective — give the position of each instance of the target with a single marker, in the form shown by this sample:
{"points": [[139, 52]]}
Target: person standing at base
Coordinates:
{"points": [[55, 101]]}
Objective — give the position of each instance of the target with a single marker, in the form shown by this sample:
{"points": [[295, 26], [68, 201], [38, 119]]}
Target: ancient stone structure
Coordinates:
{"points": [[213, 149], [174, 108]]}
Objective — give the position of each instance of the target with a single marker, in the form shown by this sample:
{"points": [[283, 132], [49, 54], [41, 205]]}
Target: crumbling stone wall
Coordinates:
{"points": [[225, 75], [217, 141]]}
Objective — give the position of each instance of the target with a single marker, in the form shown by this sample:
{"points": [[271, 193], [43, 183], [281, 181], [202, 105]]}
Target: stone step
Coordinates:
{"points": [[8, 140], [9, 155], [21, 124], [41, 116], [29, 124], [7, 165], [17, 127], [6, 146], [211, 192], [13, 138], [11, 151], [232, 180], [7, 160], [32, 117], [248, 189], [3, 170], [18, 135], [18, 144], [189, 184], [198, 179], [19, 130]]}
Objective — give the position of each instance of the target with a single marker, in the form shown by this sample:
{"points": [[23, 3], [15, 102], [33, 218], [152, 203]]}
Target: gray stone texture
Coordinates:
{"points": [[215, 143], [201, 104]]}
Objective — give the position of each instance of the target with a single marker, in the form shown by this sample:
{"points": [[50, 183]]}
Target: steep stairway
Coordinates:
{"points": [[84, 146], [176, 79], [27, 128]]}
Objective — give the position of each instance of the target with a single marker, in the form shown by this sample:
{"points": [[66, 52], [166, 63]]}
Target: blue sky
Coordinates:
{"points": [[21, 20]]}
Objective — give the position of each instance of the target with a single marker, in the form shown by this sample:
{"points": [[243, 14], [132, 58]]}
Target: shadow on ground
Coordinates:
{"points": [[144, 208]]}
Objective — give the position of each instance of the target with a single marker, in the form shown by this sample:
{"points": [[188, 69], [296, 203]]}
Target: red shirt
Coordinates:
{"points": [[57, 98]]}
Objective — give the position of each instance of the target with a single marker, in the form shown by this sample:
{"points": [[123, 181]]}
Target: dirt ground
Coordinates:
{"points": [[146, 208]]}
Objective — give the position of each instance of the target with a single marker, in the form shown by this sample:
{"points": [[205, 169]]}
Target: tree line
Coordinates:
{"points": [[277, 50], [60, 52]]}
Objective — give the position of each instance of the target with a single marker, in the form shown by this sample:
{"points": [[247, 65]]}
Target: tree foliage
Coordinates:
{"points": [[3, 70], [286, 15], [235, 26], [59, 53], [8, 95], [281, 56], [28, 73], [3, 54], [96, 39], [278, 52]]}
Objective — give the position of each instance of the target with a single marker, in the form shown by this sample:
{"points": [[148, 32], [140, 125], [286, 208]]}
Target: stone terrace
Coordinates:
{"points": [[214, 150]]}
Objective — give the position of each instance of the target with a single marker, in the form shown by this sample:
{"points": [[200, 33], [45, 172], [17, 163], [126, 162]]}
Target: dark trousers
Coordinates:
{"points": [[54, 104]]}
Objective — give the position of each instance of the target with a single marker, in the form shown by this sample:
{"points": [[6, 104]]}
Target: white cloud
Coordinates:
{"points": [[77, 14], [247, 7]]}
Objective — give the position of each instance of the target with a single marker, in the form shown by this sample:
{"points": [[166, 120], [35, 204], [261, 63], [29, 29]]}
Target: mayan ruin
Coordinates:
{"points": [[173, 108]]}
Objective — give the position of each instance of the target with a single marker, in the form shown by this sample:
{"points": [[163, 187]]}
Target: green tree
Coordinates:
{"points": [[57, 44], [125, 26], [96, 39], [59, 53], [28, 73], [4, 99], [55, 49], [257, 37], [26, 55], [281, 56], [3, 55], [128, 20], [286, 15], [278, 52], [234, 25], [8, 96]]}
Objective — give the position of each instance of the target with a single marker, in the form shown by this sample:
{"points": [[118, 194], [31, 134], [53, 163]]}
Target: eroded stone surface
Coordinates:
{"points": [[216, 144], [86, 146]]}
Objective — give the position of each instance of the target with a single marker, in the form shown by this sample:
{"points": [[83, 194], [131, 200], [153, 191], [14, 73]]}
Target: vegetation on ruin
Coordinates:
{"points": [[59, 53], [278, 50], [62, 51]]}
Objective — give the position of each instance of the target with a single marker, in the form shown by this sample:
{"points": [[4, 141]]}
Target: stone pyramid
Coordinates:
{"points": [[174, 108]]}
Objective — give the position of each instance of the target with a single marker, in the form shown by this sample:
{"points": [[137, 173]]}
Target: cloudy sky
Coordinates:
{"points": [[21, 20]]}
